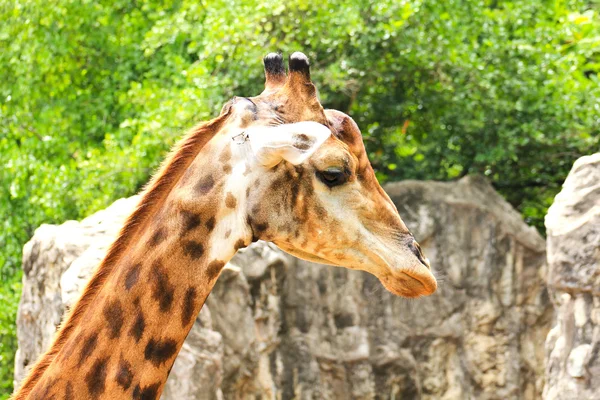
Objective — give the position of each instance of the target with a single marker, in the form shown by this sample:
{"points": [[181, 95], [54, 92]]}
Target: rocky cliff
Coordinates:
{"points": [[573, 226], [278, 327]]}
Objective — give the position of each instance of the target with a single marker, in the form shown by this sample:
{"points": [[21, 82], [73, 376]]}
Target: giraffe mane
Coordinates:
{"points": [[154, 194]]}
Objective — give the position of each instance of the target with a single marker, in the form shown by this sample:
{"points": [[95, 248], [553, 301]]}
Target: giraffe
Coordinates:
{"points": [[276, 167]]}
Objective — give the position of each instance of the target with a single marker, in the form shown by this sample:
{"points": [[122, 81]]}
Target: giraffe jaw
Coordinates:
{"points": [[409, 283], [303, 255]]}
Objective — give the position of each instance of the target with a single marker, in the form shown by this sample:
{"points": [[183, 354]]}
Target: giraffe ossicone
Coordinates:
{"points": [[300, 178]]}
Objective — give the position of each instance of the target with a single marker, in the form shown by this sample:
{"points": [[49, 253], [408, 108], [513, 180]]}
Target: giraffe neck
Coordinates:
{"points": [[131, 333]]}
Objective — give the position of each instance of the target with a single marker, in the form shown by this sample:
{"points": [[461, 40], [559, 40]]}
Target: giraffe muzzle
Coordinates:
{"points": [[412, 276]]}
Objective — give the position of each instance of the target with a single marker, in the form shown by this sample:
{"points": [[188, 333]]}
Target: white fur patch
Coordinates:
{"points": [[291, 142]]}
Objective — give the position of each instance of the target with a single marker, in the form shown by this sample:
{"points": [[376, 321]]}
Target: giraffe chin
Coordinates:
{"points": [[408, 285]]}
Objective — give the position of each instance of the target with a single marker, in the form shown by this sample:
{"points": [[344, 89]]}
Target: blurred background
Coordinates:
{"points": [[93, 94]]}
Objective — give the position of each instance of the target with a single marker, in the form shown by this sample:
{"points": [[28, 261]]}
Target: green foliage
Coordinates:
{"points": [[9, 297], [92, 94]]}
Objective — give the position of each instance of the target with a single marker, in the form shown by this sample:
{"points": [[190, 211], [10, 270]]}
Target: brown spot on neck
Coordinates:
{"points": [[214, 269], [189, 307], [190, 221], [158, 237], [88, 347], [205, 185], [193, 249], [230, 200], [113, 313], [138, 327], [261, 227], [147, 393], [132, 276], [239, 244], [160, 351], [124, 374], [162, 291], [210, 224], [96, 377]]}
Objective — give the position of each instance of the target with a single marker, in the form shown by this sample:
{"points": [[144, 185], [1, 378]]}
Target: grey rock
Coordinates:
{"points": [[276, 327], [198, 370], [573, 227]]}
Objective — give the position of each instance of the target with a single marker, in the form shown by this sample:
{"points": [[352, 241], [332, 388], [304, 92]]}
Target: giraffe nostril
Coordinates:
{"points": [[416, 249]]}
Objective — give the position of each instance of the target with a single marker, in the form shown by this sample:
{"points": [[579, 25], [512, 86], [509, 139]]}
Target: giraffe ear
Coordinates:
{"points": [[291, 142]]}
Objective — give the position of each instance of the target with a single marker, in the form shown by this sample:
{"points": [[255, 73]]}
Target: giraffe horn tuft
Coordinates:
{"points": [[274, 71], [299, 63]]}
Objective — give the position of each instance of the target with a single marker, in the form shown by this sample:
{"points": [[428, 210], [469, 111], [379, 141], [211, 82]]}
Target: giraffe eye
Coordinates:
{"points": [[333, 176]]}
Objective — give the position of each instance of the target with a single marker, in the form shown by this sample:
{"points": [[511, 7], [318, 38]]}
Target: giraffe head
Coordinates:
{"points": [[309, 186]]}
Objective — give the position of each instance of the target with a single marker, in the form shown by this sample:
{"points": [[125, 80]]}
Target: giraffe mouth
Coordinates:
{"points": [[409, 283]]}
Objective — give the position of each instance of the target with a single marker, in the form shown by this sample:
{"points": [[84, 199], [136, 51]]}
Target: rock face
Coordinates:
{"points": [[277, 327], [573, 226]]}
